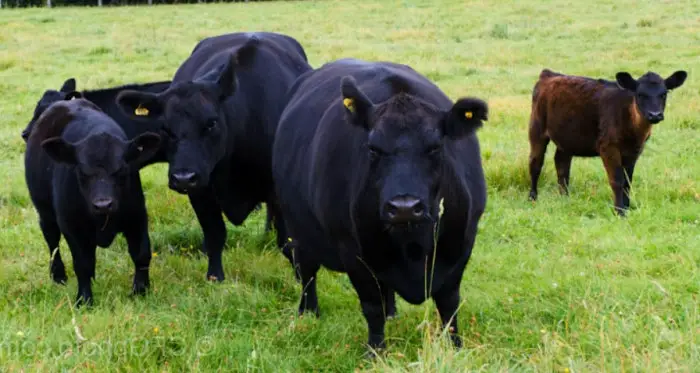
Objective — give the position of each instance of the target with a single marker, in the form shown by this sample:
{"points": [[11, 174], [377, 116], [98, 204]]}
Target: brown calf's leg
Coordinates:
{"points": [[628, 165], [616, 175], [538, 147], [562, 161]]}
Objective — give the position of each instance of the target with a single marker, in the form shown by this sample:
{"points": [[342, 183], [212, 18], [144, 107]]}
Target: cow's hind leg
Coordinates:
{"points": [[538, 148], [52, 236], [562, 161]]}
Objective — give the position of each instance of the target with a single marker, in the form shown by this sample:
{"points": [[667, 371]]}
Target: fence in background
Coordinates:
{"points": [[58, 3]]}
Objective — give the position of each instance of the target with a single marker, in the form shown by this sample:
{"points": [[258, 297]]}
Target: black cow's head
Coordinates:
{"points": [[194, 120], [50, 96], [650, 92], [406, 142], [103, 163]]}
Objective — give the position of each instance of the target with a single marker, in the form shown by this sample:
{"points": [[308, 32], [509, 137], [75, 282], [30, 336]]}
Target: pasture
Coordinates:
{"points": [[558, 285]]}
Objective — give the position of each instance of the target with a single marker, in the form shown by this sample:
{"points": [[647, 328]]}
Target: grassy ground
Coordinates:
{"points": [[557, 286]]}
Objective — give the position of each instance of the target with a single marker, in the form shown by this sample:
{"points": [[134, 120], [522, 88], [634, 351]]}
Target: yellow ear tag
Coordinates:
{"points": [[349, 104], [141, 111], [468, 115]]}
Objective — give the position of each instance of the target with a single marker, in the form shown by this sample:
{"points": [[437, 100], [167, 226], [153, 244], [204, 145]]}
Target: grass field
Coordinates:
{"points": [[561, 285]]}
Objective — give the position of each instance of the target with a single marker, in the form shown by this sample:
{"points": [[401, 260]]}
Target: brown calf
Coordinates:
{"points": [[587, 117]]}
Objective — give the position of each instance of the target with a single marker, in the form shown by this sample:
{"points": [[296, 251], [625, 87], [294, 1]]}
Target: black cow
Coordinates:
{"points": [[364, 155], [220, 114], [82, 173], [105, 100]]}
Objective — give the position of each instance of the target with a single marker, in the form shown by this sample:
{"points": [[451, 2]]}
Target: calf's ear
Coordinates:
{"points": [[358, 107], [626, 81], [676, 79], [139, 105], [68, 85], [141, 148], [465, 117], [59, 150]]}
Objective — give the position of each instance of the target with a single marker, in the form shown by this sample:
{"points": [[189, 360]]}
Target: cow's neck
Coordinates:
{"points": [[640, 125]]}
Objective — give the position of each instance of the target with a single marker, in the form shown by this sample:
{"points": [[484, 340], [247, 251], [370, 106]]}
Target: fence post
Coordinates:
{"points": [[99, 2], [48, 3], [150, 2]]}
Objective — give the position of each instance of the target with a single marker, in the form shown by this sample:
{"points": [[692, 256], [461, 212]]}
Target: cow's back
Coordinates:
{"points": [[568, 110]]}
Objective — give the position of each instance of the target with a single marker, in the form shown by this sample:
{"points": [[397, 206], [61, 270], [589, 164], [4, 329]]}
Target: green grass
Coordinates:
{"points": [[559, 285]]}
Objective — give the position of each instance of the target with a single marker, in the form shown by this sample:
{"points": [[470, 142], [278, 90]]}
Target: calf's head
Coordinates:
{"points": [[406, 146], [102, 164], [193, 119], [50, 96], [650, 92]]}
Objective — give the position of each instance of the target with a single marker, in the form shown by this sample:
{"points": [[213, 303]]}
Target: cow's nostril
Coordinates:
{"points": [[418, 210], [102, 203], [404, 209], [186, 177]]}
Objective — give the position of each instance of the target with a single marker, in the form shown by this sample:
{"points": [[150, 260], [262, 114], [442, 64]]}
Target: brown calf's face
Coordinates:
{"points": [[405, 142], [650, 92], [102, 165]]}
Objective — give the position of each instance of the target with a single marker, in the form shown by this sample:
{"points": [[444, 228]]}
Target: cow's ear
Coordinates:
{"points": [[141, 148], [626, 81], [68, 85], [358, 107], [465, 117], [139, 105], [676, 79], [226, 80], [59, 150]]}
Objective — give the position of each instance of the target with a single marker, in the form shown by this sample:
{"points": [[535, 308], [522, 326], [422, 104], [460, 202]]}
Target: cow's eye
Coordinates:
{"points": [[663, 96], [211, 124], [433, 150], [375, 151]]}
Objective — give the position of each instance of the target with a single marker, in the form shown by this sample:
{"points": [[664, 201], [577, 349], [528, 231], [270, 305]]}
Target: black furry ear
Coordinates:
{"points": [[141, 148], [68, 85], [465, 117], [224, 77], [676, 79], [59, 150], [358, 107], [626, 81], [139, 105]]}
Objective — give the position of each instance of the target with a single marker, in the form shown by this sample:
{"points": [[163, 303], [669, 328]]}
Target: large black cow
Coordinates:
{"points": [[364, 156], [220, 114], [82, 173], [105, 99]]}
